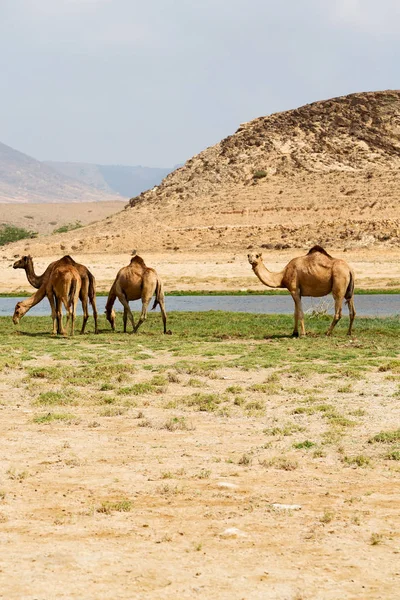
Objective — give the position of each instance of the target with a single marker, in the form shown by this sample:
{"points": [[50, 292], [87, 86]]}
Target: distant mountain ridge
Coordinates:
{"points": [[125, 180], [24, 179]]}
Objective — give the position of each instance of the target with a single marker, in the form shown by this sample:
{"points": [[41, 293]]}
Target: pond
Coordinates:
{"points": [[373, 305]]}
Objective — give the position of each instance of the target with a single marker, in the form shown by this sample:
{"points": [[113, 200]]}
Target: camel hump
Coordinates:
{"points": [[318, 249], [66, 260], [138, 260]]}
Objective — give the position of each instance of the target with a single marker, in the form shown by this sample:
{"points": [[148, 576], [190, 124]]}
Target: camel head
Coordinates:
{"points": [[19, 311], [110, 316], [254, 259], [22, 263]]}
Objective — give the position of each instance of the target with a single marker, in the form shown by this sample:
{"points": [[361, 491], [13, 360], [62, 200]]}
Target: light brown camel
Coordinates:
{"points": [[316, 274], [88, 287], [134, 282], [62, 287]]}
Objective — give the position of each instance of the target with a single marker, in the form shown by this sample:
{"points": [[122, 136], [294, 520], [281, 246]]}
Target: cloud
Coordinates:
{"points": [[369, 16]]}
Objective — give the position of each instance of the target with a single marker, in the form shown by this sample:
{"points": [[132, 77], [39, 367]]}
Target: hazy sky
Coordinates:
{"points": [[156, 81]]}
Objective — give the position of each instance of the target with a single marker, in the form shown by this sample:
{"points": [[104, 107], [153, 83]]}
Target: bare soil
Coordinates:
{"points": [[147, 497], [211, 270]]}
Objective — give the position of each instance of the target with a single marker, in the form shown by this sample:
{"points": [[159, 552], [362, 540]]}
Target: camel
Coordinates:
{"points": [[133, 282], [62, 287], [316, 274], [87, 290]]}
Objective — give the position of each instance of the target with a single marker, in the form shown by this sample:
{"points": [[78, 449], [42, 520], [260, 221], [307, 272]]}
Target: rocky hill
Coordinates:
{"points": [[24, 179], [328, 173]]}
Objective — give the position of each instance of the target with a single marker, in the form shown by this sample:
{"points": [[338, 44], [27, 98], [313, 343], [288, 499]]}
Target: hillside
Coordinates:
{"points": [[328, 173], [121, 179], [24, 179]]}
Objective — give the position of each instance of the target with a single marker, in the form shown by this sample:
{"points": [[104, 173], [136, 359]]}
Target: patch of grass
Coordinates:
{"points": [[345, 389], [245, 460], [281, 462], [234, 389], [15, 475], [204, 474], [52, 398], [113, 411], [68, 227], [265, 388], [284, 430], [327, 517], [51, 417], [393, 455], [203, 402], [255, 406], [306, 445], [176, 424], [359, 460], [376, 538], [107, 507], [193, 382], [386, 437]]}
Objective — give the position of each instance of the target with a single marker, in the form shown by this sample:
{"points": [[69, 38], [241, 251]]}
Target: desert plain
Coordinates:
{"points": [[226, 460]]}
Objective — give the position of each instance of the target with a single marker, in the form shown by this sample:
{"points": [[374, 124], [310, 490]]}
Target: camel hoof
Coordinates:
{"points": [[295, 334], [169, 332]]}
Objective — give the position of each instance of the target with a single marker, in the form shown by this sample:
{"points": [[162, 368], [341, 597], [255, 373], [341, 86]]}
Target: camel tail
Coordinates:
{"points": [[72, 292], [159, 293], [350, 288], [92, 288]]}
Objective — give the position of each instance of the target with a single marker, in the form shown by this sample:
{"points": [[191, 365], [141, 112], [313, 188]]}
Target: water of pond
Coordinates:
{"points": [[374, 305]]}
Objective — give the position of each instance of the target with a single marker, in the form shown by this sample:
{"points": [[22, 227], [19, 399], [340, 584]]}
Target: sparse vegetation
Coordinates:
{"points": [[10, 233], [68, 227]]}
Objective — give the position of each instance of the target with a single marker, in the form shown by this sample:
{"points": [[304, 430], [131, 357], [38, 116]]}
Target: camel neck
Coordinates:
{"points": [[35, 280], [273, 280]]}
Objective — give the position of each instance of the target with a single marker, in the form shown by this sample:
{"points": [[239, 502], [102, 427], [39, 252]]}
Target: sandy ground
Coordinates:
{"points": [[210, 270], [208, 514], [45, 218]]}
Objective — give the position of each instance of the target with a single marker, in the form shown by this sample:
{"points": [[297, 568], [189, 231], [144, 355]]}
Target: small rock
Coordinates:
{"points": [[233, 532], [227, 484], [286, 506]]}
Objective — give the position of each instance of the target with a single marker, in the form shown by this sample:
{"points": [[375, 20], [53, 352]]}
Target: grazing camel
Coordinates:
{"points": [[315, 274], [134, 282], [62, 287], [87, 291]]}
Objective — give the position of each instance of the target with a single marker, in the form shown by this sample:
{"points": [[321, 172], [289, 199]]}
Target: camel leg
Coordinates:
{"points": [[73, 317], [143, 314], [352, 314], [338, 313], [298, 315], [125, 319], [85, 314], [164, 315], [94, 307], [53, 313], [125, 304], [60, 328]]}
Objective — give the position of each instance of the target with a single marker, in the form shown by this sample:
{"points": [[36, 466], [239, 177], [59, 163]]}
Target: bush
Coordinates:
{"points": [[68, 227], [9, 233], [260, 174]]}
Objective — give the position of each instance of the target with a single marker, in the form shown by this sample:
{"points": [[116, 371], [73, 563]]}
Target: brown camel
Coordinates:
{"points": [[316, 274], [87, 291], [62, 287], [134, 282]]}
